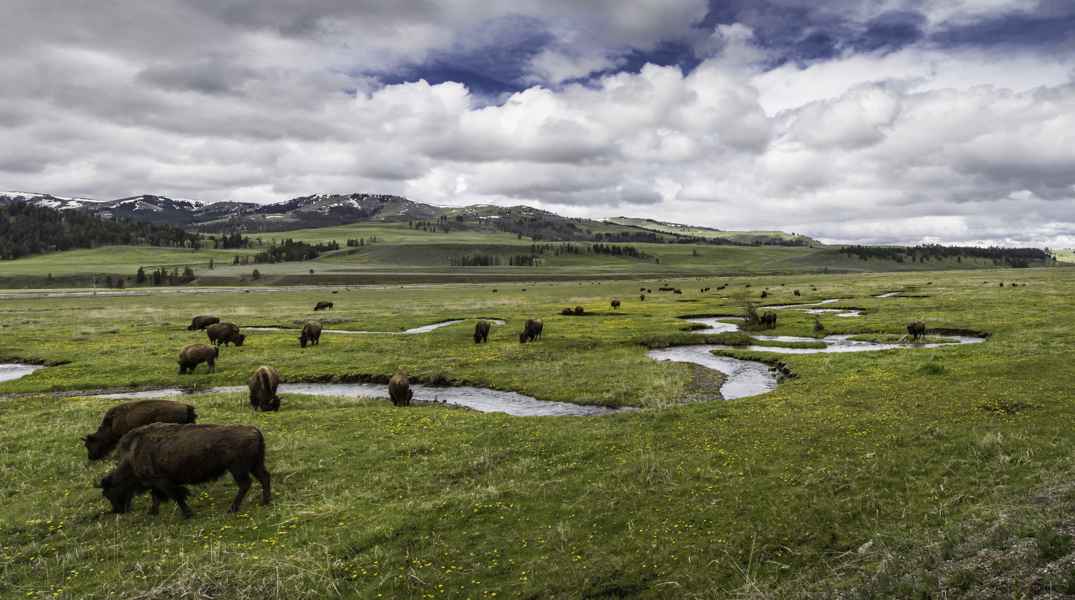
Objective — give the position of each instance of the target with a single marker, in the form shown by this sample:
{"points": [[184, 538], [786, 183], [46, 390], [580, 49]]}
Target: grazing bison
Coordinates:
{"points": [[768, 320], [764, 294], [202, 321], [164, 457], [796, 292], [481, 332], [641, 297], [323, 306], [579, 310], [399, 389], [131, 415], [263, 384], [566, 311], [225, 333], [615, 304], [916, 329], [311, 334], [531, 331], [677, 291], [195, 354]]}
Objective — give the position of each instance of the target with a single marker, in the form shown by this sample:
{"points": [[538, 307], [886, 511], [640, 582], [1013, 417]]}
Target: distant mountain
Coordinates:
{"points": [[325, 210]]}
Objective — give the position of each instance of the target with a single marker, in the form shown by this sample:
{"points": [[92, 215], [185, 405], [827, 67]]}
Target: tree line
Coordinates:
{"points": [[26, 230], [1014, 257]]}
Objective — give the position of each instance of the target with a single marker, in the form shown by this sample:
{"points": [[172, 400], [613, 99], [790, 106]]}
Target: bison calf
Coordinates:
{"points": [[202, 321], [481, 332], [131, 415], [399, 390], [224, 333], [311, 334], [263, 384], [164, 457], [195, 354]]}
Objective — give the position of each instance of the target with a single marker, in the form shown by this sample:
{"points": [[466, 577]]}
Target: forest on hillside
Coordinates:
{"points": [[26, 230]]}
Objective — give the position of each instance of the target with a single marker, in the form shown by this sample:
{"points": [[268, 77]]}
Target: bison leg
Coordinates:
{"points": [[157, 495], [243, 481], [263, 478], [212, 365]]}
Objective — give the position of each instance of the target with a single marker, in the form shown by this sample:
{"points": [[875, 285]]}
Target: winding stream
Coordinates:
{"points": [[13, 371], [412, 331], [479, 399]]}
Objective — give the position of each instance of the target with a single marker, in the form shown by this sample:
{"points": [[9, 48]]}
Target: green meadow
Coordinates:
{"points": [[908, 473]]}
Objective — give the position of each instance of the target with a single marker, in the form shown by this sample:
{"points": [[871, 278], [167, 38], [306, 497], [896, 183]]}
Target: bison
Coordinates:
{"points": [[916, 329], [399, 389], [796, 292], [130, 415], [579, 310], [195, 354], [481, 332], [224, 333], [531, 331], [311, 334], [323, 306], [768, 320], [566, 311], [641, 297], [202, 321], [615, 304], [163, 458], [263, 384]]}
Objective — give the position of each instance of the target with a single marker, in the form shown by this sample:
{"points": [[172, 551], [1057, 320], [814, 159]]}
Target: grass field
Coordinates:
{"points": [[395, 253], [896, 474]]}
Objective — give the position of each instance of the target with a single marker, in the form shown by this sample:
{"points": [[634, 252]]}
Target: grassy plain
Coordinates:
{"points": [[888, 474]]}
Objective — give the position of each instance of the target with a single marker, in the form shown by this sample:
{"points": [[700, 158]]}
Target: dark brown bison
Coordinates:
{"points": [[579, 310], [916, 329], [481, 332], [566, 311], [531, 330], [677, 291], [202, 321], [163, 458], [130, 415], [796, 292], [224, 333], [615, 304], [195, 354], [263, 384], [311, 334], [399, 389], [641, 297], [323, 306], [764, 294], [768, 320]]}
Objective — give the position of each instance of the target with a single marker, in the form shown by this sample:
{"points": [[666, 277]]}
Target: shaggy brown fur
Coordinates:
{"points": [[481, 332], [311, 334], [615, 304], [130, 415], [195, 354], [164, 457], [225, 333], [531, 330], [323, 306], [202, 321], [263, 384], [399, 389]]}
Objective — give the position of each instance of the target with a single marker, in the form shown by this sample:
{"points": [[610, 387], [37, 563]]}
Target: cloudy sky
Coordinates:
{"points": [[849, 120]]}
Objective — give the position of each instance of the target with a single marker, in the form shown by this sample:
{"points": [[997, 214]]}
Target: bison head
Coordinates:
{"points": [[119, 493], [95, 447], [239, 339], [302, 341]]}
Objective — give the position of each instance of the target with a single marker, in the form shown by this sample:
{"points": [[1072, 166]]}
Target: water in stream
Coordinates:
{"points": [[13, 371]]}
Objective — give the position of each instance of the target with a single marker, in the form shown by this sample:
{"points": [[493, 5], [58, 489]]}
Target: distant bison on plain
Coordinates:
{"points": [[202, 321], [615, 304], [399, 390], [131, 415], [916, 329], [311, 334], [579, 310], [195, 354], [163, 458], [481, 332], [323, 306], [224, 334], [263, 384], [768, 320], [531, 330]]}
